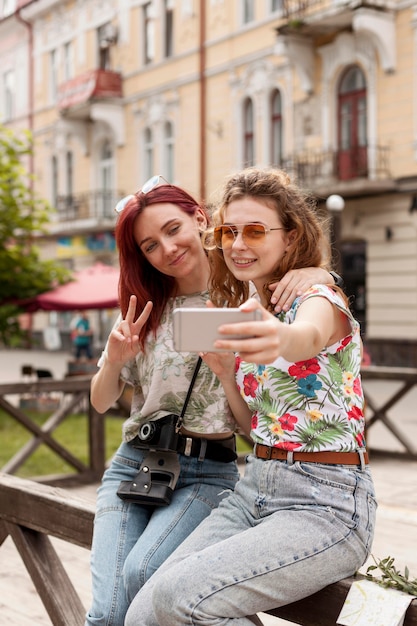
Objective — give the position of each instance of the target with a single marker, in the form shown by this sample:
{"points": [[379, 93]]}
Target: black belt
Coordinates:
{"points": [[222, 450]]}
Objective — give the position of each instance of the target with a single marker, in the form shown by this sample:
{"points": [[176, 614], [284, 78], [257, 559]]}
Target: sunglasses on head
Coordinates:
{"points": [[252, 234], [150, 185]]}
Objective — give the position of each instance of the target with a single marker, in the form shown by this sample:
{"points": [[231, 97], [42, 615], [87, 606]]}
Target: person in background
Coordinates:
{"points": [[303, 515], [82, 337], [163, 265]]}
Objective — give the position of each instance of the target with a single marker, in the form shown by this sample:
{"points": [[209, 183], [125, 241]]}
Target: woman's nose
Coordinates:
{"points": [[168, 245], [238, 242]]}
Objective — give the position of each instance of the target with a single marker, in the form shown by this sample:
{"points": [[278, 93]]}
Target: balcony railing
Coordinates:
{"points": [[92, 85], [313, 169], [299, 10], [93, 205]]}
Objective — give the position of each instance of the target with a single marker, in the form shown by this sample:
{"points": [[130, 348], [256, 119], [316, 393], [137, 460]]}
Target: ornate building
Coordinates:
{"points": [[117, 90]]}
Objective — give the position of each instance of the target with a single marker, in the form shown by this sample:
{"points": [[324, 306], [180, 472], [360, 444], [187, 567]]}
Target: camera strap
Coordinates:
{"points": [[188, 396], [158, 474]]}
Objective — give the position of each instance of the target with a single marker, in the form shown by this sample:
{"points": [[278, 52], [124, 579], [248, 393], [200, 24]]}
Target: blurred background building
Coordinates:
{"points": [[115, 91]]}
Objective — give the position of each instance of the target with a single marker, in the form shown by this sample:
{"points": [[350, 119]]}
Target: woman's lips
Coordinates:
{"points": [[243, 262], [178, 259]]}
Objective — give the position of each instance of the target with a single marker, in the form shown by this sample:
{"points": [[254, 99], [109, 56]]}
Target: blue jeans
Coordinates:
{"points": [[287, 531], [131, 541]]}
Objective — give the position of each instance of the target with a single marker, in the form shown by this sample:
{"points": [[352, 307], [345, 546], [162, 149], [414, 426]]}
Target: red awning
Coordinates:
{"points": [[95, 287]]}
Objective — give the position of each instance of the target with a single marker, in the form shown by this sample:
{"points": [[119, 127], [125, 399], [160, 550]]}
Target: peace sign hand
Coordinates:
{"points": [[123, 343]]}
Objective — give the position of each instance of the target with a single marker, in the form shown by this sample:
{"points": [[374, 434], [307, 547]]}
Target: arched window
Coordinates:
{"points": [[147, 154], [248, 11], [168, 28], [169, 152], [352, 125], [248, 134], [276, 128], [106, 192], [69, 162], [54, 181], [148, 33]]}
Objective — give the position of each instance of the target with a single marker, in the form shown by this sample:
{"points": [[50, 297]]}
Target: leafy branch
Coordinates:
{"points": [[391, 577]]}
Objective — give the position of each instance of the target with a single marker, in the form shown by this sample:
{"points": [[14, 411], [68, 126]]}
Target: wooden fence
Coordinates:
{"points": [[407, 380], [72, 392], [31, 513], [75, 391]]}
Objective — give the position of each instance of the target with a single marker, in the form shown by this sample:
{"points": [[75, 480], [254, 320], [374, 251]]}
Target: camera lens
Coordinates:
{"points": [[147, 431]]}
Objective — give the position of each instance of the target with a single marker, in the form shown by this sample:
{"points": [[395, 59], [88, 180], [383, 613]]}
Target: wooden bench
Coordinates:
{"points": [[31, 512]]}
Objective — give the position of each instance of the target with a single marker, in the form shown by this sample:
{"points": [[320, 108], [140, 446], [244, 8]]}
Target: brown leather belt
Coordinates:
{"points": [[329, 458]]}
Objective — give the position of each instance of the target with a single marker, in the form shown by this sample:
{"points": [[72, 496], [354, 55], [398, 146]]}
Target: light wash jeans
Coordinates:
{"points": [[131, 541], [286, 532]]}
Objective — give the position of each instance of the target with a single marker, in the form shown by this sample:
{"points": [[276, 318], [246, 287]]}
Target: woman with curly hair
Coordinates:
{"points": [[303, 515]]}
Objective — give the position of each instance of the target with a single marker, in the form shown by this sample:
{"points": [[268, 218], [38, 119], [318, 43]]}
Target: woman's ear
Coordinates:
{"points": [[201, 220], [291, 237]]}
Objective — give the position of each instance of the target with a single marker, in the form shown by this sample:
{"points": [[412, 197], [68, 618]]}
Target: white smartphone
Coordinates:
{"points": [[196, 330]]}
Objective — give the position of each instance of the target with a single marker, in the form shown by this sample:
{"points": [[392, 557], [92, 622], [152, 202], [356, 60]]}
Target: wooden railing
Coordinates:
{"points": [[73, 392], [31, 513], [407, 379]]}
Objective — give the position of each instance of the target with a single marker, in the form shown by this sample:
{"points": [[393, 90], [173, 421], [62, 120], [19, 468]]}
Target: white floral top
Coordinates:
{"points": [[314, 405], [161, 377]]}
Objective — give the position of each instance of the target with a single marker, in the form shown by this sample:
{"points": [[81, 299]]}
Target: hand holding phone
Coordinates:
{"points": [[196, 330]]}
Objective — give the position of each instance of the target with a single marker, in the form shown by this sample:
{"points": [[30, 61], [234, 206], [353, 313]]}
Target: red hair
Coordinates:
{"points": [[137, 276]]}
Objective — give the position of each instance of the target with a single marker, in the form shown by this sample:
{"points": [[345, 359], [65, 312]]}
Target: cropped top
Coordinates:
{"points": [[160, 378], [314, 405]]}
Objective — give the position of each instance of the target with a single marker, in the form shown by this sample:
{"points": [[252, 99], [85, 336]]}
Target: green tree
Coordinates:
{"points": [[23, 219]]}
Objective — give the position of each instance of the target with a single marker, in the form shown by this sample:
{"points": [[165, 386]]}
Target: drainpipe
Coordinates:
{"points": [[29, 27], [202, 71]]}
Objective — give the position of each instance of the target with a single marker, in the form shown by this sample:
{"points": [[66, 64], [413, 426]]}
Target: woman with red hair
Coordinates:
{"points": [[303, 515], [173, 467]]}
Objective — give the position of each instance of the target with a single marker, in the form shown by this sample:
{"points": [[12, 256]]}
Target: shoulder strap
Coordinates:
{"points": [[188, 396]]}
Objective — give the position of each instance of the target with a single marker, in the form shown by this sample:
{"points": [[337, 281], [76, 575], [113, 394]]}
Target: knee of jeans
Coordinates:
{"points": [[131, 578], [135, 575], [165, 599]]}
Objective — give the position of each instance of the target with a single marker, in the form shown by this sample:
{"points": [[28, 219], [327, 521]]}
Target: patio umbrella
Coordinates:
{"points": [[94, 287]]}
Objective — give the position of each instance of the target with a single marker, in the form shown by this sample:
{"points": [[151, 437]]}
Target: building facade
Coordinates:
{"points": [[117, 90]]}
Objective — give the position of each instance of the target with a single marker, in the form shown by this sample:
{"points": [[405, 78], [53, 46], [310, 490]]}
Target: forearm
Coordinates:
{"points": [[238, 406], [106, 387]]}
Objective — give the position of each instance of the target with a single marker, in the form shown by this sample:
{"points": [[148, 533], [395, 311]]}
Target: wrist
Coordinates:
{"points": [[106, 360]]}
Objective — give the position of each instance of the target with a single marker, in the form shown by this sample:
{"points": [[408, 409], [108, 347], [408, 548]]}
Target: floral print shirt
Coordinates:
{"points": [[314, 405], [160, 377]]}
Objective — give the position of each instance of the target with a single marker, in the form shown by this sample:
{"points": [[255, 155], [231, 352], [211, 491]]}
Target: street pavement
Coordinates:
{"points": [[395, 479]]}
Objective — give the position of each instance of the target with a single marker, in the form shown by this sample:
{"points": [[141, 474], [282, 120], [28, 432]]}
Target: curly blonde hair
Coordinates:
{"points": [[297, 212]]}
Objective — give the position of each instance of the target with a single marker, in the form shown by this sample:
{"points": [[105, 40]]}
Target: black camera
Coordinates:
{"points": [[155, 481], [160, 434]]}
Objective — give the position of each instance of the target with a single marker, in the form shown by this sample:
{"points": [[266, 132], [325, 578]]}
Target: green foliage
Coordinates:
{"points": [[391, 577], [23, 219]]}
